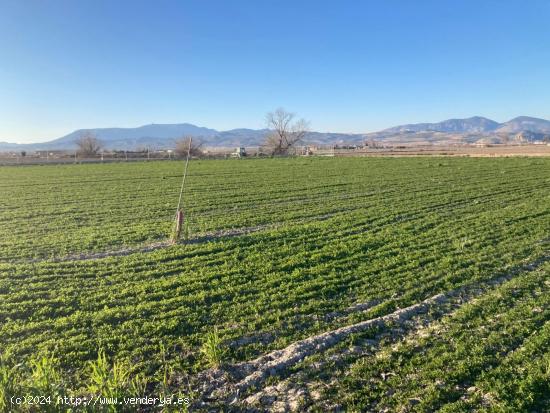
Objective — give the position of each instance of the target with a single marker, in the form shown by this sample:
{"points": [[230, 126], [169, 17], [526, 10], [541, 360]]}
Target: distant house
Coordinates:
{"points": [[239, 153], [50, 154], [482, 143]]}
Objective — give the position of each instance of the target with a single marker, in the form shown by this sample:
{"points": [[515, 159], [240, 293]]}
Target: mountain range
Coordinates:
{"points": [[470, 130], [164, 136]]}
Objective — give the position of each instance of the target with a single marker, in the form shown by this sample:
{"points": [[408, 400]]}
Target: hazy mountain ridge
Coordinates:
{"points": [[525, 123], [471, 130], [164, 136], [474, 124]]}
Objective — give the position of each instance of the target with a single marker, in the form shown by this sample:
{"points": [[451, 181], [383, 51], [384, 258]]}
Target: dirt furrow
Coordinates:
{"points": [[205, 237], [233, 382]]}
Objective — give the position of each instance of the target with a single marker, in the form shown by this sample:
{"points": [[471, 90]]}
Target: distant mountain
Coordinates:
{"points": [[471, 130], [140, 135], [164, 136], [475, 124], [239, 137], [6, 146], [525, 123]]}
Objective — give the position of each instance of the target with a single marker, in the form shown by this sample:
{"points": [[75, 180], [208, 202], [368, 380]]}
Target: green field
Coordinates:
{"points": [[278, 252]]}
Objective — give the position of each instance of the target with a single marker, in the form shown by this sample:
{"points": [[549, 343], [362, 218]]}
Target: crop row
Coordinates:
{"points": [[339, 232], [47, 212], [491, 355]]}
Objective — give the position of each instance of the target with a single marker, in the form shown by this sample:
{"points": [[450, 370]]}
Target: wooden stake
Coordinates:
{"points": [[179, 209], [179, 226]]}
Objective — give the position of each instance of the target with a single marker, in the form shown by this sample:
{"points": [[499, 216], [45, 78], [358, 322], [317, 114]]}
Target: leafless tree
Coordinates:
{"points": [[182, 146], [285, 133], [371, 143], [88, 144]]}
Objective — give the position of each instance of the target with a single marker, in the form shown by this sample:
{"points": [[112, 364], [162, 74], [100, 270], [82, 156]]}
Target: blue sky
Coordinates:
{"points": [[349, 66]]}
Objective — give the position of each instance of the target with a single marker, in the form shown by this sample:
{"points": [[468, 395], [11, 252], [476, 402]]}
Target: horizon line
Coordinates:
{"points": [[226, 130]]}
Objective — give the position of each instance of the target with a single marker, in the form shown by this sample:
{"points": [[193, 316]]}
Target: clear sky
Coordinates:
{"points": [[347, 66]]}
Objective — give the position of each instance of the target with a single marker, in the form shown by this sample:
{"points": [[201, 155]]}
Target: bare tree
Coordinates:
{"points": [[182, 146], [88, 144], [371, 143], [285, 132]]}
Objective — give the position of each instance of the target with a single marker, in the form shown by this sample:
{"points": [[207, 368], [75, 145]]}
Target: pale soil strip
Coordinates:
{"points": [[256, 371], [266, 337], [298, 390], [208, 236], [279, 360], [202, 238]]}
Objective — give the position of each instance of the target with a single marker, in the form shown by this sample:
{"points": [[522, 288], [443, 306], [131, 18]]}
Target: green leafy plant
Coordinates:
{"points": [[110, 380], [45, 373], [212, 349], [291, 254], [10, 384], [186, 229]]}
